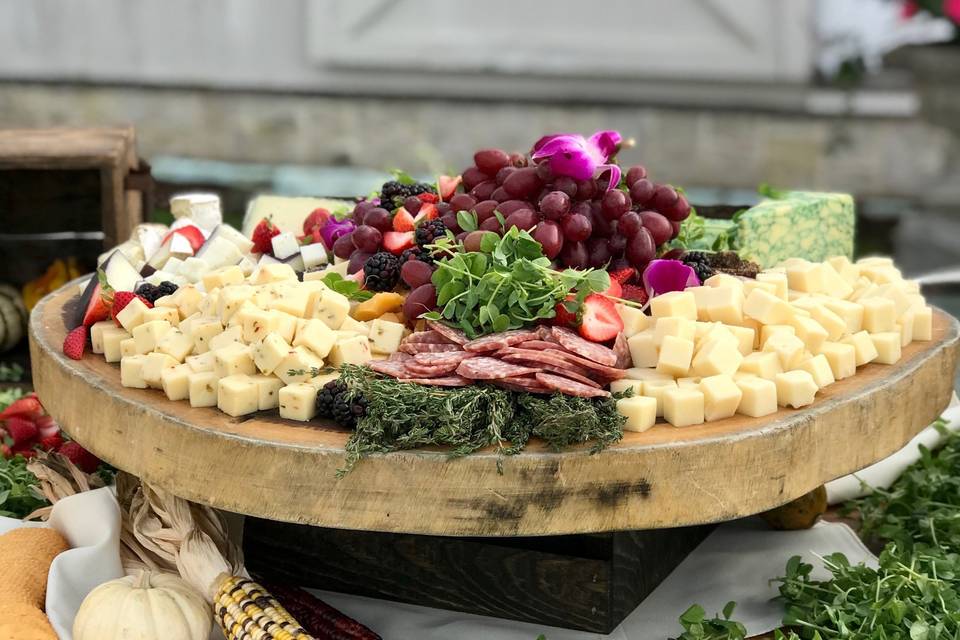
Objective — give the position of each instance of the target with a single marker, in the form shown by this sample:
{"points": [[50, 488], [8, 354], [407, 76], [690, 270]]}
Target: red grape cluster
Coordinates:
{"points": [[578, 223]]}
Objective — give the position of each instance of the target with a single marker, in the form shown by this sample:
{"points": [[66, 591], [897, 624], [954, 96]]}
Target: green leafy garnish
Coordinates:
{"points": [[507, 285], [11, 372], [691, 231], [19, 491], [696, 625], [467, 220], [349, 288], [402, 176]]}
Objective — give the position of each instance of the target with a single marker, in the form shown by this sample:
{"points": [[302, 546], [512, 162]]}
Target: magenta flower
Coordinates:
{"points": [[570, 154], [334, 228], [951, 9], [664, 276]]}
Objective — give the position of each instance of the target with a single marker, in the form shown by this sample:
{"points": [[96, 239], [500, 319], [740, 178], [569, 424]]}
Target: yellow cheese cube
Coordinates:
{"points": [[789, 349], [636, 386], [896, 294], [385, 336], [726, 306], [299, 365], [884, 274], [655, 388], [127, 348], [131, 371], [112, 340], [202, 331], [268, 391], [175, 345], [273, 272], [222, 277], [842, 358], [905, 327], [176, 382], [724, 281], [806, 277], [721, 397], [153, 366], [638, 373], [257, 323], [795, 388], [759, 397], [850, 312], [229, 336], [763, 364], [766, 308], [643, 349], [834, 285], [879, 314], [863, 347], [810, 332], [703, 296], [296, 302], [770, 330], [169, 314], [147, 335], [329, 306], [200, 363], [640, 412], [715, 331], [690, 381], [232, 360], [203, 389], [750, 285], [887, 346], [298, 402], [634, 320], [833, 324], [683, 406], [819, 368], [269, 352], [745, 338], [717, 357], [675, 304], [237, 395], [132, 314], [683, 328], [675, 356], [923, 323], [188, 299], [317, 336], [353, 350], [96, 334], [777, 279]]}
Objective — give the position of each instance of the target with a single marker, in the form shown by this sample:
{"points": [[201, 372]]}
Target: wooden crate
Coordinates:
{"points": [[588, 582]]}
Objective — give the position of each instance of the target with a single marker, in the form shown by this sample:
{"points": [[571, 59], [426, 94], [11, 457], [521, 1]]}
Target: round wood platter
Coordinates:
{"points": [[265, 466]]}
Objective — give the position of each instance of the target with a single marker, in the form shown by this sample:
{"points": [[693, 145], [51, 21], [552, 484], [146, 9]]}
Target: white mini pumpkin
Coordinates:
{"points": [[147, 606]]}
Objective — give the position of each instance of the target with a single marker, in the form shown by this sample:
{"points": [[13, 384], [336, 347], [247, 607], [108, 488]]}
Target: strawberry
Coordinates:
{"points": [[564, 317], [47, 426], [97, 310], [600, 320], [635, 293], [26, 407], [79, 456], [623, 276], [397, 241], [262, 234], [432, 198], [428, 211], [122, 299], [51, 443], [615, 290], [315, 220], [21, 430], [192, 233], [75, 343], [447, 186], [403, 221]]}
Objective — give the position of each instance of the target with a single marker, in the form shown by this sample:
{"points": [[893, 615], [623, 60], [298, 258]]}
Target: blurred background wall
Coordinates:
{"points": [[321, 96]]}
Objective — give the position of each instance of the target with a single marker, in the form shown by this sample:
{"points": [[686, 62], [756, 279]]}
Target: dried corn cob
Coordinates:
{"points": [[318, 617], [245, 610]]}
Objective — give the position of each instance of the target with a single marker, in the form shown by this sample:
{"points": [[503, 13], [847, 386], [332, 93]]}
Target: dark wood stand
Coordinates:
{"points": [[587, 582]]}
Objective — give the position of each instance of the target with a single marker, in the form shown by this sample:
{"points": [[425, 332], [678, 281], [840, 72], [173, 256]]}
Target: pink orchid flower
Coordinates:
{"points": [[570, 154], [951, 9], [664, 276]]}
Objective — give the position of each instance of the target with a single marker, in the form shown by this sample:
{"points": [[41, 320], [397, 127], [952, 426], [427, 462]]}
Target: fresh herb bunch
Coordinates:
{"points": [[19, 491], [508, 284], [696, 625], [400, 416], [349, 288]]}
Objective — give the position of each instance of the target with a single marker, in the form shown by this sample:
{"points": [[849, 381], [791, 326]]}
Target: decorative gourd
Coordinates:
{"points": [[146, 606]]}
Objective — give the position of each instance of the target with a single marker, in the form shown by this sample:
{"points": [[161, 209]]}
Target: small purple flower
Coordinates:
{"points": [[664, 276], [570, 154], [334, 229]]}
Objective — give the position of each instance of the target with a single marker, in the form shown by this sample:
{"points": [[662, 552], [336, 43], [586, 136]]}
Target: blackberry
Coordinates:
{"points": [[153, 292], [393, 193], [334, 402], [381, 271], [706, 264], [415, 253], [700, 263], [429, 231]]}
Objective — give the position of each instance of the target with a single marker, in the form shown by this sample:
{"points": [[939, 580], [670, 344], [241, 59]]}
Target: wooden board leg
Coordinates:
{"points": [[801, 513]]}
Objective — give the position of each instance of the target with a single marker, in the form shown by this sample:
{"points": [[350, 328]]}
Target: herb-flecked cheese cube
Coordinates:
{"points": [[222, 277], [176, 382], [203, 389], [353, 350], [200, 362], [655, 389], [677, 304], [273, 272], [128, 347], [316, 336], [176, 345], [269, 352], [257, 323], [329, 306], [169, 314], [819, 368], [356, 326], [231, 299], [153, 366], [285, 325], [683, 406], [634, 320], [296, 302], [863, 347], [636, 386], [202, 331], [675, 356], [887, 346], [237, 395], [385, 336], [96, 334], [795, 388], [268, 391], [132, 315], [299, 365], [640, 413], [232, 360], [229, 336], [131, 371], [148, 335], [298, 402], [188, 299], [721, 397], [112, 341], [186, 325], [759, 396]]}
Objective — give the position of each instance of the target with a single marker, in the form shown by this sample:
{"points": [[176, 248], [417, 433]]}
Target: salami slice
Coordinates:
{"points": [[533, 358], [399, 356], [430, 336], [567, 373], [455, 357], [483, 368], [414, 348], [456, 336], [622, 351], [448, 381], [544, 333], [589, 350], [392, 368], [570, 387], [416, 370], [523, 384], [537, 345], [609, 373], [496, 341]]}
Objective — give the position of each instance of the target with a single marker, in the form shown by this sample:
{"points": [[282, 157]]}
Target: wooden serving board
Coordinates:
{"points": [[271, 468]]}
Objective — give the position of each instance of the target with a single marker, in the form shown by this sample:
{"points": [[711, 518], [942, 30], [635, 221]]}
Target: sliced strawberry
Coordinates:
{"points": [[97, 310], [428, 211], [428, 197], [447, 186], [262, 234], [192, 233], [75, 343], [600, 320], [51, 443], [564, 317], [315, 220], [122, 299], [21, 430], [397, 241], [635, 293], [623, 276], [615, 290], [27, 407], [47, 426], [79, 456], [403, 221]]}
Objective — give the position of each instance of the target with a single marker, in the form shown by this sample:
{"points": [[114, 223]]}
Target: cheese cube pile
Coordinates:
{"points": [[745, 346], [264, 341]]}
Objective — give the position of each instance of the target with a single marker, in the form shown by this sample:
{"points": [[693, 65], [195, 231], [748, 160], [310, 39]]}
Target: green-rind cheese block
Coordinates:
{"points": [[801, 224], [286, 212]]}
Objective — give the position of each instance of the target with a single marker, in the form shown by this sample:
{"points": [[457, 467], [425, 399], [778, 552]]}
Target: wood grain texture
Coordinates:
{"points": [[666, 477]]}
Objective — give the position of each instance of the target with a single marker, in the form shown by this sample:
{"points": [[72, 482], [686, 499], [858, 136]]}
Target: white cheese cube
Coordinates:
{"points": [[678, 304], [329, 306], [655, 389], [675, 356], [703, 296], [186, 325], [203, 331], [268, 391], [879, 314], [682, 328], [227, 337], [316, 336], [128, 347], [714, 332], [923, 323], [222, 277], [232, 360], [203, 389], [147, 335], [356, 326], [112, 339], [384, 336], [132, 315], [775, 278], [237, 395], [353, 350], [257, 323], [219, 252], [170, 314], [863, 347], [313, 255], [640, 412], [284, 245], [285, 325], [759, 397], [819, 368], [806, 277], [718, 357], [634, 320], [683, 406], [299, 365], [795, 388], [766, 308], [789, 349], [131, 371], [175, 345], [833, 324], [298, 402], [193, 268], [231, 299], [153, 366], [201, 362], [176, 382], [764, 364], [842, 358], [96, 334], [636, 386], [323, 378], [721, 397], [269, 352], [296, 302], [887, 346]]}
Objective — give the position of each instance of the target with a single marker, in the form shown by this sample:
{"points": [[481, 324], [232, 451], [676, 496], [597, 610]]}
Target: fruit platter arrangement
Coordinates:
{"points": [[547, 295]]}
